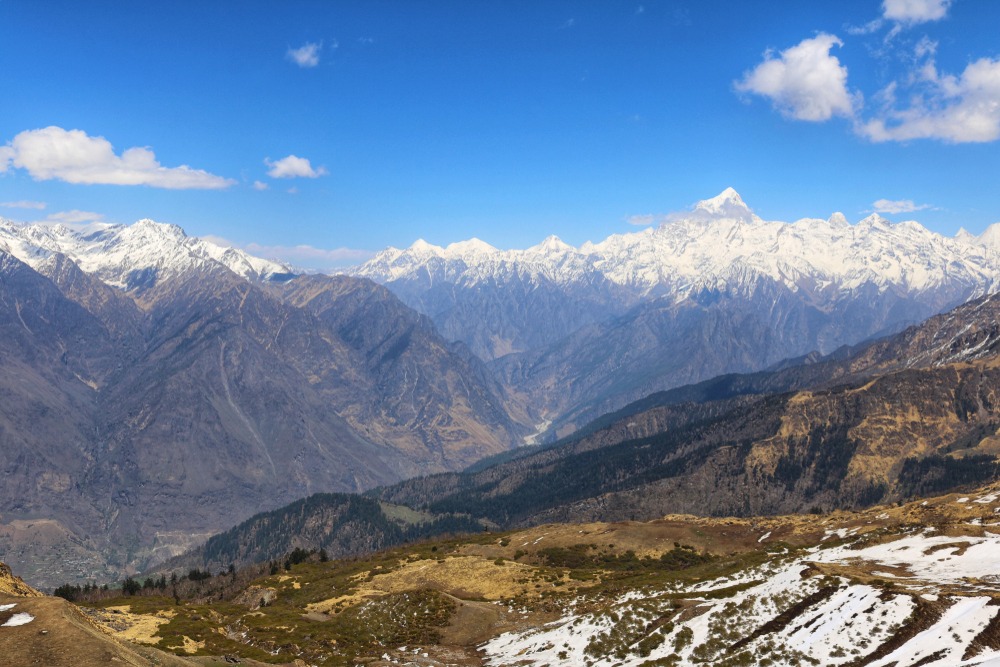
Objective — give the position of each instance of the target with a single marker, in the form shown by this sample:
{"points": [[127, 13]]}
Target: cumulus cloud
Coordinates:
{"points": [[259, 186], [306, 55], [804, 82], [52, 153], [292, 167], [898, 206], [903, 14], [23, 203], [911, 12], [955, 109]]}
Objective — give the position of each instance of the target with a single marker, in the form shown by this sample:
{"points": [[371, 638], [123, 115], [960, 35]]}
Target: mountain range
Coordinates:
{"points": [[160, 388], [905, 417], [584, 331], [173, 388]]}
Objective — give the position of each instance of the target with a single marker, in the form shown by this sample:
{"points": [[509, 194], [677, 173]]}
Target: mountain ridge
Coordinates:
{"points": [[699, 249], [131, 256], [715, 290], [139, 419]]}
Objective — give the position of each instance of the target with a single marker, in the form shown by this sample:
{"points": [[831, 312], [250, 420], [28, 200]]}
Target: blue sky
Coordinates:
{"points": [[349, 126]]}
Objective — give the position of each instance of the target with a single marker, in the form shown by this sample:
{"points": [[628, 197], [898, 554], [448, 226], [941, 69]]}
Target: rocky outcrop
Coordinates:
{"points": [[11, 584]]}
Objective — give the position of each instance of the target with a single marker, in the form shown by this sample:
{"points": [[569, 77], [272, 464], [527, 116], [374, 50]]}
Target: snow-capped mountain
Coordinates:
{"points": [[718, 244], [130, 256], [714, 290]]}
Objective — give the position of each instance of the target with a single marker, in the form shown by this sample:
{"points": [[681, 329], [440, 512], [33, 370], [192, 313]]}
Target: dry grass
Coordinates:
{"points": [[463, 577], [13, 585], [139, 628], [70, 639]]}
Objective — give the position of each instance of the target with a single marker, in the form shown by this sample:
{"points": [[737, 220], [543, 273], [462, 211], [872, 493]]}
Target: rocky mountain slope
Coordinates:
{"points": [[712, 291], [913, 414], [160, 395], [910, 415]]}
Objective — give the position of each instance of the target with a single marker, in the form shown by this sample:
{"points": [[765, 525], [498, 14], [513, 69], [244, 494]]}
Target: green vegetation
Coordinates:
{"points": [[936, 474], [587, 556], [338, 524]]}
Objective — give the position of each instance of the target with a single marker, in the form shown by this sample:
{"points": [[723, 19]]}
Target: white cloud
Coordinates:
{"points": [[74, 217], [310, 257], [292, 167], [903, 14], [642, 220], [259, 186], [36, 205], [306, 55], [872, 26], [963, 109], [898, 206], [303, 256], [804, 82], [912, 12], [75, 157]]}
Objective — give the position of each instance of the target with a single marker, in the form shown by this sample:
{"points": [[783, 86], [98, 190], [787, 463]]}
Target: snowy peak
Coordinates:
{"points": [[723, 204], [990, 238], [874, 221], [423, 247], [131, 256], [472, 247], [719, 245], [553, 244], [727, 205], [154, 229], [838, 221]]}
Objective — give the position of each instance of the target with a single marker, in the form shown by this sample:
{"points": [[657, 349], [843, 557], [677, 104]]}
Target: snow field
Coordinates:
{"points": [[852, 622]]}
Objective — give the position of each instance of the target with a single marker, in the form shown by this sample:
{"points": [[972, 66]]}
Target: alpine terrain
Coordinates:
{"points": [[584, 331], [159, 388]]}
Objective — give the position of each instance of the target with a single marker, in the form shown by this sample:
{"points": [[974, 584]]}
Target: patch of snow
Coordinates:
{"points": [[930, 558], [841, 533], [852, 622], [950, 635], [19, 618]]}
